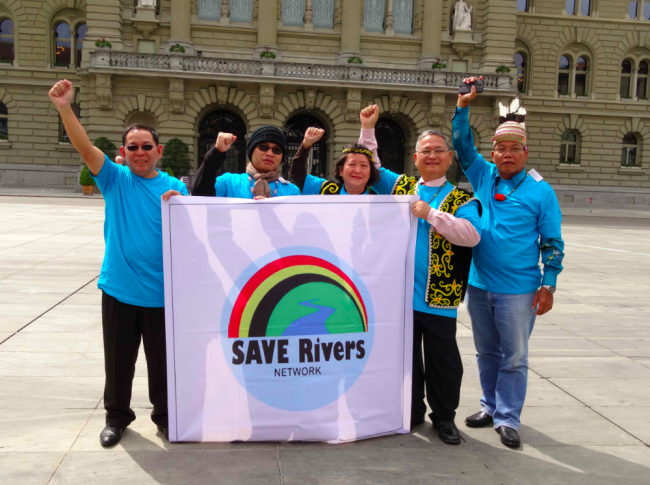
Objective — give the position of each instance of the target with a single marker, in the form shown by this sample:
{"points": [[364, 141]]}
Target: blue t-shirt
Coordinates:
{"points": [[468, 211], [132, 271], [314, 184], [515, 231], [239, 185]]}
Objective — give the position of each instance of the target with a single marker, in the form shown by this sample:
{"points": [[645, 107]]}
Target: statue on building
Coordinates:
{"points": [[462, 16], [310, 99], [146, 3]]}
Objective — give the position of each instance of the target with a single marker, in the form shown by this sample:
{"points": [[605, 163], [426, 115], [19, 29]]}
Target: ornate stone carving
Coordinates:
{"points": [[436, 109], [353, 105], [222, 95], [177, 95], [267, 96], [462, 16], [104, 90], [394, 104], [310, 99]]}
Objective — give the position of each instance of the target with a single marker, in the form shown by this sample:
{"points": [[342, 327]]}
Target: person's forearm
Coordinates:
{"points": [[92, 155], [457, 231], [552, 250], [462, 138], [206, 175], [298, 169], [367, 138]]}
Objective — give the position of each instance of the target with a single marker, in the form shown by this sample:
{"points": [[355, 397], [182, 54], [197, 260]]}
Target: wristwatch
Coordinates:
{"points": [[551, 289]]}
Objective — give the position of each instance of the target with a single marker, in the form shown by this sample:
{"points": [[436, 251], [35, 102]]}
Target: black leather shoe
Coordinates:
{"points": [[164, 431], [479, 420], [110, 436], [416, 421], [509, 436], [448, 432]]}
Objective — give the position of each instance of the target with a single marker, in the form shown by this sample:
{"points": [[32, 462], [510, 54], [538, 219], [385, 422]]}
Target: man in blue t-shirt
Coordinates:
{"points": [[131, 278]]}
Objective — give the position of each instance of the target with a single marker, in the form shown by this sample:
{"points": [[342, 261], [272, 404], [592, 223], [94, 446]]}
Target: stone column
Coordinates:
{"points": [[350, 31], [309, 16], [180, 25], [499, 32], [267, 28], [635, 79], [388, 18], [431, 33]]}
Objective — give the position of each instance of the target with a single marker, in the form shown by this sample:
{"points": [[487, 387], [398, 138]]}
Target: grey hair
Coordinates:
{"points": [[429, 133]]}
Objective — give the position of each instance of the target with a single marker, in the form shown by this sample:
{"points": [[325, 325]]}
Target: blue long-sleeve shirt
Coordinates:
{"points": [[514, 232]]}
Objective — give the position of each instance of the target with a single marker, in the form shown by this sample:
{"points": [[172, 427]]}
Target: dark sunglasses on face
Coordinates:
{"points": [[134, 148], [266, 148]]}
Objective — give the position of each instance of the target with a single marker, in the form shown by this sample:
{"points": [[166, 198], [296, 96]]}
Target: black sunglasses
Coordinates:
{"points": [[266, 148], [134, 148]]}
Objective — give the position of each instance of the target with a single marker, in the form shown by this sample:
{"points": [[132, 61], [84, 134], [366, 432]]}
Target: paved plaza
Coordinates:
{"points": [[586, 419]]}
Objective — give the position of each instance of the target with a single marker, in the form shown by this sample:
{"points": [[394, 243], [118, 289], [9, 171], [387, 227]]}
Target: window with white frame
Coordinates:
{"points": [[569, 145], [626, 79], [630, 151], [581, 77], [62, 45], [564, 76], [82, 30], [573, 74], [642, 80]]}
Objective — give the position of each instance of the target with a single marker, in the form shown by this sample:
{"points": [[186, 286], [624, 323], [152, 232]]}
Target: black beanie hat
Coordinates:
{"points": [[266, 133]]}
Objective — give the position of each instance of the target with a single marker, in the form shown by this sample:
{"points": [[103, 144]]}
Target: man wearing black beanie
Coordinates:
{"points": [[266, 150]]}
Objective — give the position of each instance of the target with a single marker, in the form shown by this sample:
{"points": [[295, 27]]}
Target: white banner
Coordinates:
{"points": [[288, 318]]}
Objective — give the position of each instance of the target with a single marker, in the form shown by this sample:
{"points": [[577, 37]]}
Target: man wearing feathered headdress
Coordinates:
{"points": [[520, 221]]}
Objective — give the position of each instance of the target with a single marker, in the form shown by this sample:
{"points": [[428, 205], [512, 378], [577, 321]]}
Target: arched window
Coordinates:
{"points": [[227, 122], [581, 77], [642, 81], [62, 45], [569, 147], [4, 122], [63, 135], [7, 41], [522, 5], [626, 79], [563, 76], [520, 62], [82, 29], [294, 131], [629, 152], [390, 141]]}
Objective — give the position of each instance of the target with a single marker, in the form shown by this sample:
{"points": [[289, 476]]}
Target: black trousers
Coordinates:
{"points": [[124, 325], [441, 369]]}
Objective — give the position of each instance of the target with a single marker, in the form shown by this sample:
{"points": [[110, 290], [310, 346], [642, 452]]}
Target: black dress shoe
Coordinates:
{"points": [[479, 420], [509, 436], [416, 421], [448, 432], [110, 436], [164, 431]]}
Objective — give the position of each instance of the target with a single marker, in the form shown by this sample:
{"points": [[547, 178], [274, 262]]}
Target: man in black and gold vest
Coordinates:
{"points": [[448, 228]]}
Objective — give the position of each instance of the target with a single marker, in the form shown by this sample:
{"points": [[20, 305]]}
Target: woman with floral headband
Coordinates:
{"points": [[355, 171]]}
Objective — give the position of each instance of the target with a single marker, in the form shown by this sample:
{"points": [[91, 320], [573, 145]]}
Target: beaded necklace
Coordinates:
{"points": [[252, 185]]}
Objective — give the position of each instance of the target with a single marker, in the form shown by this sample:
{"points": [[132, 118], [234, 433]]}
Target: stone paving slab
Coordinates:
{"points": [[583, 421]]}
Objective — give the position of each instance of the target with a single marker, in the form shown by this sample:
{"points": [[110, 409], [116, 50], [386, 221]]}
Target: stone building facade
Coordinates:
{"points": [[581, 67]]}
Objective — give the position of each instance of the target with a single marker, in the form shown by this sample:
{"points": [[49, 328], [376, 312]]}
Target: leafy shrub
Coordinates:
{"points": [[176, 157]]}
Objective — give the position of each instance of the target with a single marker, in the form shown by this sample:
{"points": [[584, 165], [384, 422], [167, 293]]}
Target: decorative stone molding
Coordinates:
{"points": [[436, 109], [202, 100], [310, 99], [177, 95], [353, 105], [145, 18], [267, 96], [462, 42], [222, 95], [142, 103], [394, 104], [104, 91]]}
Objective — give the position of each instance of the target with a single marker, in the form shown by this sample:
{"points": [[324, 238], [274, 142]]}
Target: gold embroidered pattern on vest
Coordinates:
{"points": [[404, 185], [443, 290], [330, 188]]}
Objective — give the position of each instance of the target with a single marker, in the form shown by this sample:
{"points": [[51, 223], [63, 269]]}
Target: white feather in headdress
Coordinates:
{"points": [[515, 112]]}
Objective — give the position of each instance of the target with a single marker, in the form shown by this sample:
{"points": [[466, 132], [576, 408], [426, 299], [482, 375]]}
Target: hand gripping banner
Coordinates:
{"points": [[288, 318]]}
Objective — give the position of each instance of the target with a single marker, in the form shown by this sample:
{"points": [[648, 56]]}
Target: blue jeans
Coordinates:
{"points": [[502, 324]]}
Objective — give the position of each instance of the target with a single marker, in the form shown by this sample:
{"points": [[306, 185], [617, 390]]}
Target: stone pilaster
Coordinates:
{"points": [[431, 33], [180, 32], [499, 32], [104, 22], [267, 28], [350, 31]]}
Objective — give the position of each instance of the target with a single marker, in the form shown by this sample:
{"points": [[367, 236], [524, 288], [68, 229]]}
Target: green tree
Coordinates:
{"points": [[176, 156], [106, 146], [85, 178]]}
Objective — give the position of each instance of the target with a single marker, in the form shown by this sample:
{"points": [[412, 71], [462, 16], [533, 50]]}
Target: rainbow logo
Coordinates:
{"points": [[298, 295]]}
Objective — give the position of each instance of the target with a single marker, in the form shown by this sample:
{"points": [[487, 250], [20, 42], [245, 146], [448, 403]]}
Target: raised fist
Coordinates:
{"points": [[312, 135], [62, 93], [369, 116], [224, 141]]}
